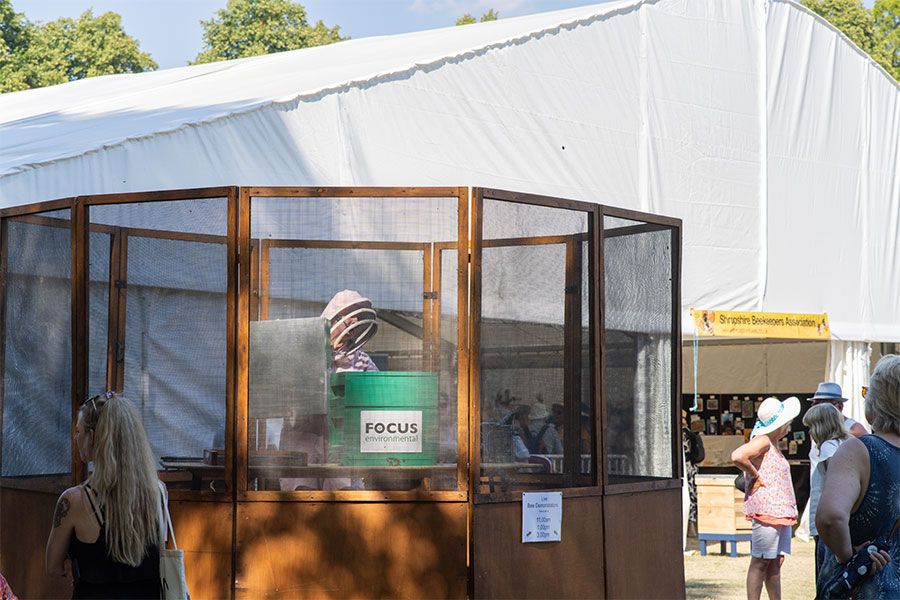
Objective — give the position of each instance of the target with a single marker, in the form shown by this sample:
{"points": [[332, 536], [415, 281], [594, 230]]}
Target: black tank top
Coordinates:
{"points": [[97, 575]]}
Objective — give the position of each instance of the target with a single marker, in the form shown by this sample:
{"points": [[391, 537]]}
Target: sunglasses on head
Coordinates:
{"points": [[102, 398]]}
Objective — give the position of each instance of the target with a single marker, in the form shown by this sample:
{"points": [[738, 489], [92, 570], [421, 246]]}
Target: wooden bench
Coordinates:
{"points": [[734, 538]]}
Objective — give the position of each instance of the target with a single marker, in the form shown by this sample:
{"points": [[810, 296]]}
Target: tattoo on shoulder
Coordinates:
{"points": [[62, 509]]}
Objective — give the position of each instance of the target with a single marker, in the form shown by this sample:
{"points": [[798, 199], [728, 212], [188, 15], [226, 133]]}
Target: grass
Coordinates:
{"points": [[720, 577]]}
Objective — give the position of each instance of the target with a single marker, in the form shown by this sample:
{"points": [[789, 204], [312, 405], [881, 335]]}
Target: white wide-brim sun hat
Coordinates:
{"points": [[773, 413]]}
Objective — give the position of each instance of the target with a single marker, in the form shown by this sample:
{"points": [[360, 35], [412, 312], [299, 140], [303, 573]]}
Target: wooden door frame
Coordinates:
{"points": [[461, 195]]}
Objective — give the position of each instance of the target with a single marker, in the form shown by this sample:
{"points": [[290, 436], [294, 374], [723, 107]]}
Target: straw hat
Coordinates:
{"points": [[773, 413]]}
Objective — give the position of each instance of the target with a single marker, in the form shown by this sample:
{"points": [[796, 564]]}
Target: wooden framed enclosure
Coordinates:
{"points": [[501, 318]]}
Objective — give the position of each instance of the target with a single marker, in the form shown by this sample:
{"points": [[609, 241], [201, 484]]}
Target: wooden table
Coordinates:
{"points": [[503, 475], [200, 470]]}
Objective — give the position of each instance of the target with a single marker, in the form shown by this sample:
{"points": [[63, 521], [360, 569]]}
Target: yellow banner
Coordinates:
{"points": [[729, 323]]}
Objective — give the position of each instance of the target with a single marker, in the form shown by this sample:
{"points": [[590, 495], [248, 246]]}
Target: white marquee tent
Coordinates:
{"points": [[768, 132]]}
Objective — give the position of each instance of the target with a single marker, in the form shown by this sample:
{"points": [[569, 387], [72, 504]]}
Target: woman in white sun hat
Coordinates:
{"points": [[769, 495]]}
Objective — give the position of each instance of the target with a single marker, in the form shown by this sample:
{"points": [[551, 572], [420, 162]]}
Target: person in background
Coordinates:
{"points": [[503, 406], [861, 498], [540, 437], [352, 325], [832, 394], [694, 453], [105, 536], [518, 419], [827, 393], [769, 500], [557, 418], [828, 431]]}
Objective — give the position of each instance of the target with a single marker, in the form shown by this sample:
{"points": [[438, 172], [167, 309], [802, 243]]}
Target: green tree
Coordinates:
{"points": [[468, 19], [886, 14], [35, 55], [15, 36], [253, 27], [856, 22]]}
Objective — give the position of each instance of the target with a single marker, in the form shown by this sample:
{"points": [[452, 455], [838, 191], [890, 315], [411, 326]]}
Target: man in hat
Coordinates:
{"points": [[831, 392], [352, 325]]}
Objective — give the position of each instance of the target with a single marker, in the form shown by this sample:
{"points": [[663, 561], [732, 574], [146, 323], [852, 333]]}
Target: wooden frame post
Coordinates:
{"points": [[4, 282], [118, 295], [80, 216], [242, 327], [572, 363], [472, 255]]}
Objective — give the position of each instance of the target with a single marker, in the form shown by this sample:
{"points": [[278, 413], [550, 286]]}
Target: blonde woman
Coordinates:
{"points": [[105, 534], [827, 430], [769, 500]]}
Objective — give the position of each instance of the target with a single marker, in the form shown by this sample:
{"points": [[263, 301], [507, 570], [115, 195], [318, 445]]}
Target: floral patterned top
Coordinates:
{"points": [[772, 501], [5, 592]]}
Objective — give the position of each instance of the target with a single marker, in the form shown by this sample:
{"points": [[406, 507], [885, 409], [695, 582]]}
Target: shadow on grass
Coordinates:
{"points": [[705, 589]]}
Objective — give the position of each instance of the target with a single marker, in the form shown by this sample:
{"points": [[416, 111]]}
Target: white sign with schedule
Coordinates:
{"points": [[541, 516]]}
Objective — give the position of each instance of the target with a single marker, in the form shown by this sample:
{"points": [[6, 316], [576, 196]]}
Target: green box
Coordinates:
{"points": [[389, 418], [336, 420]]}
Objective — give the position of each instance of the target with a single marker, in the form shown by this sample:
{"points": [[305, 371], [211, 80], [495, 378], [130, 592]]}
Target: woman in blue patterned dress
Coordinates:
{"points": [[861, 498]]}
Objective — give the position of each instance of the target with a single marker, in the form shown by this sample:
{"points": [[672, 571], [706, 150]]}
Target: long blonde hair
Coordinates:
{"points": [[825, 423], [124, 477]]}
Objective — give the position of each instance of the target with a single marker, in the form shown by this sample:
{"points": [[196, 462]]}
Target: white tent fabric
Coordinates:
{"points": [[761, 126], [848, 366]]}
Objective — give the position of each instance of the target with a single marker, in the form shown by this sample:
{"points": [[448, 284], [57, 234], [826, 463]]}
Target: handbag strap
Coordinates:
{"points": [[165, 521]]}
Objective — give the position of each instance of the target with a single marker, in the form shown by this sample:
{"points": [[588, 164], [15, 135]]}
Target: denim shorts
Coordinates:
{"points": [[770, 541]]}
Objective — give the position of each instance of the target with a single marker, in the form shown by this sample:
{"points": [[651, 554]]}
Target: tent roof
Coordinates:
{"points": [[57, 122], [774, 139]]}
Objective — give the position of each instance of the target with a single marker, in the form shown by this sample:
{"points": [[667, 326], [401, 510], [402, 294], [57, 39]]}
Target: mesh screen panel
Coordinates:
{"points": [[172, 349], [37, 373], [535, 347], [299, 285], [446, 347], [382, 417], [638, 345], [100, 247]]}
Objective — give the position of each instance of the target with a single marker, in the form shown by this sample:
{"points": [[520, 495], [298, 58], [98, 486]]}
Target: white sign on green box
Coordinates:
{"points": [[389, 418], [390, 431]]}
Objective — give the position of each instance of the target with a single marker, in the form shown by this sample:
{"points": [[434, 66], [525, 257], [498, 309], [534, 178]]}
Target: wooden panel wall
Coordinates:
{"points": [[25, 521], [204, 531], [351, 550], [643, 545], [504, 567]]}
